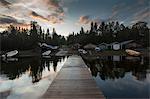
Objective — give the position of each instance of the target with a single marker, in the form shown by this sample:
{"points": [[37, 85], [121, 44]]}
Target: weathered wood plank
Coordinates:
{"points": [[74, 81]]}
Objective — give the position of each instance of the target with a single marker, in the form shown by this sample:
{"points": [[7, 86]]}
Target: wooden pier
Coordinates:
{"points": [[74, 81]]}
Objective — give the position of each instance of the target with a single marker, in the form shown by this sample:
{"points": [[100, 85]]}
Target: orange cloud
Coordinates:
{"points": [[21, 25], [6, 21], [5, 3], [87, 20], [55, 5], [55, 19], [35, 15], [84, 20]]}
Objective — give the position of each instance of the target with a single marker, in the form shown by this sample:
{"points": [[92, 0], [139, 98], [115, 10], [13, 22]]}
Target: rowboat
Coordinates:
{"points": [[132, 52]]}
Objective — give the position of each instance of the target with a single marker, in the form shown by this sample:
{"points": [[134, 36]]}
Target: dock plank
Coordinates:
{"points": [[74, 81]]}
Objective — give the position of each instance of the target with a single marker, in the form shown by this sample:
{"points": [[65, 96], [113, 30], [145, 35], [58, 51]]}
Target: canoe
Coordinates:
{"points": [[132, 52], [10, 54], [46, 53]]}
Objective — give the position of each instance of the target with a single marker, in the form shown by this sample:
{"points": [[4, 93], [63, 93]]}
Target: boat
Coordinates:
{"points": [[132, 52], [46, 53], [48, 46], [10, 54], [61, 53], [9, 59]]}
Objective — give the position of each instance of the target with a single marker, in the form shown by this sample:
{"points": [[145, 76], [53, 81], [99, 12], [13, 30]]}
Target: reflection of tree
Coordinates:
{"points": [[108, 69], [15, 69], [35, 65], [36, 70], [55, 61]]}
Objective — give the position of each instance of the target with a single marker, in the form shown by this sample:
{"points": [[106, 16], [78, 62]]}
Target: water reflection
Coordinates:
{"points": [[28, 78], [35, 66], [115, 67], [121, 77]]}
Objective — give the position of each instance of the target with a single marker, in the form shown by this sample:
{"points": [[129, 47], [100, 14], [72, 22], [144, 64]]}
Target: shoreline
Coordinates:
{"points": [[37, 53]]}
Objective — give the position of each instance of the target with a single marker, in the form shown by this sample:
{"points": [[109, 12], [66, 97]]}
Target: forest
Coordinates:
{"points": [[25, 39]]}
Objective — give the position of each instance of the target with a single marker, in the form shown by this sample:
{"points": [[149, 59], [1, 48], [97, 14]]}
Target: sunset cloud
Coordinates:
{"points": [[55, 4], [87, 20], [55, 19], [6, 21], [142, 15], [35, 15], [5, 3], [84, 20], [72, 13], [38, 10]]}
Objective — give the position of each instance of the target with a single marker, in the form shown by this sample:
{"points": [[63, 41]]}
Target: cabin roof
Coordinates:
{"points": [[103, 44], [126, 42], [89, 46]]}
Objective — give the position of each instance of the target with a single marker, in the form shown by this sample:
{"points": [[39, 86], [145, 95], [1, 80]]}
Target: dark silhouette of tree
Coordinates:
{"points": [[34, 33], [24, 39], [111, 32]]}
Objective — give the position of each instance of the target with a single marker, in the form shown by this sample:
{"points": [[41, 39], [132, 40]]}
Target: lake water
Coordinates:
{"points": [[28, 78], [121, 77], [116, 76]]}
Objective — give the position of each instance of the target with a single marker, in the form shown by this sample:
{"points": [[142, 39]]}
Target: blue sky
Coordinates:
{"points": [[69, 15]]}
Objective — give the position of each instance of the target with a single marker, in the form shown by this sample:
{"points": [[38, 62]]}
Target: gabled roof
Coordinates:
{"points": [[48, 46], [121, 43], [89, 46], [114, 43], [103, 44], [126, 42]]}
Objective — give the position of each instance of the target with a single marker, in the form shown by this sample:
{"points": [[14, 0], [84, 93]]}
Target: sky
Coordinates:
{"points": [[67, 16]]}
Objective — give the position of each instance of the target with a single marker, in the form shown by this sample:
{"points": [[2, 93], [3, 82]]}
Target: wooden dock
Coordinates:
{"points": [[74, 81]]}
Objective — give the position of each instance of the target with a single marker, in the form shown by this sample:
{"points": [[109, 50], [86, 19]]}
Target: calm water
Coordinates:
{"points": [[121, 77], [116, 76], [28, 78]]}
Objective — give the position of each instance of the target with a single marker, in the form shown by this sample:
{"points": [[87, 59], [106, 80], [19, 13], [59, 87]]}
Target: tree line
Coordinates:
{"points": [[24, 39], [111, 32]]}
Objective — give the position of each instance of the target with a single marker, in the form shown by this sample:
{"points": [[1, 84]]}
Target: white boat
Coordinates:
{"points": [[9, 59], [48, 46], [132, 52], [46, 56], [46, 53], [61, 53], [10, 54]]}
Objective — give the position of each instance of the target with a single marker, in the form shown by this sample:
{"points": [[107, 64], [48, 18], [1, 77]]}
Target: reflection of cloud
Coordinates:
{"points": [[127, 86], [5, 85], [142, 2]]}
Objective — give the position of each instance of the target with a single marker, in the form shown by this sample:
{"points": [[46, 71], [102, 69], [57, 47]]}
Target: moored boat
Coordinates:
{"points": [[132, 52]]}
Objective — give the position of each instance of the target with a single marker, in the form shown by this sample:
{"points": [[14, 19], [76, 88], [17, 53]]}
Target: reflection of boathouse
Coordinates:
{"points": [[116, 58], [114, 67], [140, 75]]}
